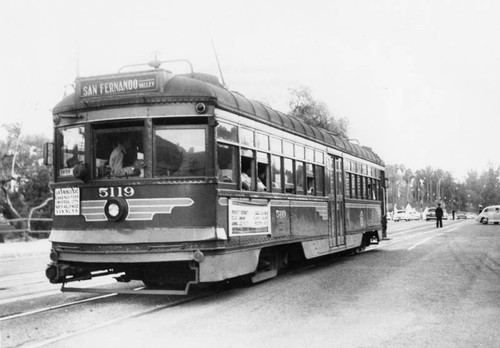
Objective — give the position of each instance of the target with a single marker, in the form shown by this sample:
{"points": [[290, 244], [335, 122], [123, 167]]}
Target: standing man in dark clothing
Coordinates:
{"points": [[439, 216]]}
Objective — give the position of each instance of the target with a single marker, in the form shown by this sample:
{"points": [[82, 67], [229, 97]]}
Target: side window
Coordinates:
{"points": [[71, 143], [310, 186], [300, 177], [276, 173], [247, 170], [348, 185], [227, 163], [289, 175], [262, 171], [358, 186], [254, 175], [320, 180], [227, 132], [247, 137]]}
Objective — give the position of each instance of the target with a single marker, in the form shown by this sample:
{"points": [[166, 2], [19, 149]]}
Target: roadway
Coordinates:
{"points": [[421, 287]]}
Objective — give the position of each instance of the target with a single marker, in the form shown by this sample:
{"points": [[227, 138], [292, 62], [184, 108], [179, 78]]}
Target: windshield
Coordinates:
{"points": [[119, 152], [122, 150], [179, 151], [71, 143]]}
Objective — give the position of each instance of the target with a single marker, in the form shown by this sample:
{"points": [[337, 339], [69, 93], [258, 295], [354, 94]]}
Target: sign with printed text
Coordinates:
{"points": [[249, 218], [108, 86], [67, 201]]}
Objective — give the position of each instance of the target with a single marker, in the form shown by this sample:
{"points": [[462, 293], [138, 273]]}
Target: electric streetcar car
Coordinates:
{"points": [[174, 180]]}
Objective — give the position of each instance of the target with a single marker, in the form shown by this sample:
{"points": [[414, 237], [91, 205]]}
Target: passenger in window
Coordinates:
{"points": [[73, 161], [246, 179], [261, 179], [116, 160]]}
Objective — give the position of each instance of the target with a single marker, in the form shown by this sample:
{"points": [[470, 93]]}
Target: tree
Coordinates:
{"points": [[490, 194], [431, 186], [24, 180], [315, 113]]}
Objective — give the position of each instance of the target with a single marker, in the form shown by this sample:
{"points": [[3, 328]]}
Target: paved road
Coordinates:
{"points": [[423, 287]]}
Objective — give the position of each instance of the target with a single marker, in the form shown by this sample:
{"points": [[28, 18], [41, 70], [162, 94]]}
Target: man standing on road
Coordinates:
{"points": [[439, 216]]}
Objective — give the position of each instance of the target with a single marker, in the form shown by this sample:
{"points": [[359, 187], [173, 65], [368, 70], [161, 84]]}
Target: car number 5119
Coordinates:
{"points": [[107, 192]]}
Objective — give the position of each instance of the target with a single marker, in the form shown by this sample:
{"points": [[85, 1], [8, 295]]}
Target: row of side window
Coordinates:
{"points": [[259, 171]]}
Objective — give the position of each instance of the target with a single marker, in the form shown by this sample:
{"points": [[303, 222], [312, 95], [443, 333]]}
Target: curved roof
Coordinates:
{"points": [[203, 87]]}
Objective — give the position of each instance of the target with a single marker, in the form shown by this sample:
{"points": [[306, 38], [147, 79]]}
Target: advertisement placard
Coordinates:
{"points": [[249, 218]]}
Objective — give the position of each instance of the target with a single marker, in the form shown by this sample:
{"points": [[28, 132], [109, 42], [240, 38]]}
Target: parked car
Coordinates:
{"points": [[461, 216], [489, 214], [400, 215], [431, 214], [413, 215]]}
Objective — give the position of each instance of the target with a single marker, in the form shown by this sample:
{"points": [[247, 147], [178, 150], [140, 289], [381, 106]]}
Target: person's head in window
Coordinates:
{"points": [[116, 159]]}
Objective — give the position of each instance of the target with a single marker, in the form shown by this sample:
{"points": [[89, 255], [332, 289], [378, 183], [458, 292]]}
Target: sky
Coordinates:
{"points": [[418, 81]]}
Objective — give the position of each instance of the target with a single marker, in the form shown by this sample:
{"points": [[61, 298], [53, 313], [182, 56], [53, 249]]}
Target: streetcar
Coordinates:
{"points": [[174, 180]]}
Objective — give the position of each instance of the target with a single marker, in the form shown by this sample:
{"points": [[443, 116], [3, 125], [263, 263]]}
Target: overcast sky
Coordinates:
{"points": [[417, 80]]}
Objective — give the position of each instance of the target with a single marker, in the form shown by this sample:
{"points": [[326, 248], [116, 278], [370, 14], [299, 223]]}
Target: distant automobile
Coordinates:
{"points": [[400, 215], [413, 215], [431, 214], [461, 216], [489, 214]]}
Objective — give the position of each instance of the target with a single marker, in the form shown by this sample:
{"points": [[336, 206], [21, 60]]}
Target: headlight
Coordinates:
{"points": [[116, 209]]}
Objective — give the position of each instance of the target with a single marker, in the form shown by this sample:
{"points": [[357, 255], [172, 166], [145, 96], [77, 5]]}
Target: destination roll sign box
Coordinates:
{"points": [[111, 85]]}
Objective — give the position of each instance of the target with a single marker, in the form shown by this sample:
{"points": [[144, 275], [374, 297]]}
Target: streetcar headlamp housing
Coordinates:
{"points": [[201, 108], [116, 209]]}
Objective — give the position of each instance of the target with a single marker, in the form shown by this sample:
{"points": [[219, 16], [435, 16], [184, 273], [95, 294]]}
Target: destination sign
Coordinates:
{"points": [[108, 86]]}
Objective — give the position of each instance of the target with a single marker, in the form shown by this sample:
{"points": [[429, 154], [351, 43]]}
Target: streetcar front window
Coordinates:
{"points": [[180, 151], [119, 152], [71, 142]]}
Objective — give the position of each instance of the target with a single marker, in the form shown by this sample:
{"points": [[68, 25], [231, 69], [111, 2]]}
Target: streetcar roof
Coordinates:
{"points": [[199, 87]]}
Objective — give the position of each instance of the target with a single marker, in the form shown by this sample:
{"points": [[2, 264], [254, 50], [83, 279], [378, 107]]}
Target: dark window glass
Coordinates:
{"points": [[300, 177], [262, 171], [289, 175], [227, 161], [348, 185], [320, 181], [119, 152]]}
